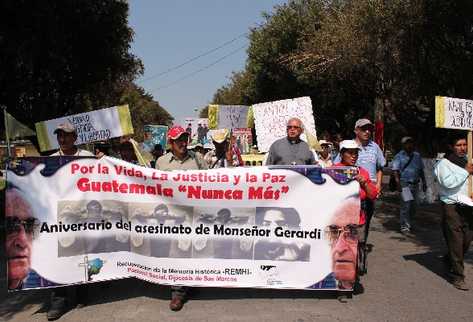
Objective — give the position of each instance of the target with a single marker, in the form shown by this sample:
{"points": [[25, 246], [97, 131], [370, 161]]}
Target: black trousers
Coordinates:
{"points": [[457, 227], [368, 206]]}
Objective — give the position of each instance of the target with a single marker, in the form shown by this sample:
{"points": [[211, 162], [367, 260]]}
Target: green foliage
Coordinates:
{"points": [[363, 58], [143, 109], [63, 57]]}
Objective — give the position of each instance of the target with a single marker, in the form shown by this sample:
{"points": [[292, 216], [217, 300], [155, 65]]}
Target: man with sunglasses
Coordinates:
{"points": [[180, 158], [342, 234], [20, 229], [290, 150]]}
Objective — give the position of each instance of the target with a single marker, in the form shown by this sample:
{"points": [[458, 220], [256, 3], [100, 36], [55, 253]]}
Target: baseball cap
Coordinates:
{"points": [[175, 132], [406, 139], [349, 144], [220, 135], [325, 142], [363, 122], [65, 127]]}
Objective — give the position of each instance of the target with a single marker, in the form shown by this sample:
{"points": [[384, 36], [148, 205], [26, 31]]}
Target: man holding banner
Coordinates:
{"points": [[452, 174], [66, 138], [179, 159]]}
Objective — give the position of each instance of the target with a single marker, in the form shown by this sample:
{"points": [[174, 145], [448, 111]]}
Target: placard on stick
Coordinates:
{"points": [[456, 113]]}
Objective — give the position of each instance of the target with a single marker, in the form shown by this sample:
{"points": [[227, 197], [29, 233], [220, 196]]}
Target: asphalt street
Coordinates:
{"points": [[406, 281]]}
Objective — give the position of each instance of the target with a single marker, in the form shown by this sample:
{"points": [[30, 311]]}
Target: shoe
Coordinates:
{"points": [[405, 231], [176, 304], [57, 309], [460, 284]]}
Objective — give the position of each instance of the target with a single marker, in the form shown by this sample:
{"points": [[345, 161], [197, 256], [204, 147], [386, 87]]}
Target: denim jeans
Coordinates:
{"points": [[408, 208]]}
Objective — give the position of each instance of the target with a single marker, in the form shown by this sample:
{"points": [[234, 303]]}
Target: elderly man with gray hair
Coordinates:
{"points": [[291, 150]]}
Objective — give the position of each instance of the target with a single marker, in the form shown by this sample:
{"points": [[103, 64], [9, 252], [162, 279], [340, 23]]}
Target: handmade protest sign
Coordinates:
{"points": [[232, 116], [271, 119], [92, 126], [87, 219], [456, 113]]}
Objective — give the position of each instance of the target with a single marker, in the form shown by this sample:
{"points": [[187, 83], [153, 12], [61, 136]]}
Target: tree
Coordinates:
{"points": [[143, 109], [63, 57], [357, 57]]}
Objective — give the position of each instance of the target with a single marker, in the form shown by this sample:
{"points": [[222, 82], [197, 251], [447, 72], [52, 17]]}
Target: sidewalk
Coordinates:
{"points": [[405, 282]]}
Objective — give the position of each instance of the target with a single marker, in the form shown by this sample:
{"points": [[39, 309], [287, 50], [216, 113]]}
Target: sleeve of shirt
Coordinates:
{"points": [[370, 183], [449, 175], [270, 158], [396, 166], [337, 158], [380, 160]]}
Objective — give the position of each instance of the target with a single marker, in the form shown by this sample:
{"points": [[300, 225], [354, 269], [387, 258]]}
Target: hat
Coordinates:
{"points": [[175, 132], [220, 135], [321, 142], [65, 127], [406, 139], [363, 122], [349, 144]]}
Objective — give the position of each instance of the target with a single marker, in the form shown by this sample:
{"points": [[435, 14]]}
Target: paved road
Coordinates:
{"points": [[406, 282]]}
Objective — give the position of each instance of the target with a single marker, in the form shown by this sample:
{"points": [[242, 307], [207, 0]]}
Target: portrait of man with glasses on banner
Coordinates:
{"points": [[21, 228], [343, 234]]}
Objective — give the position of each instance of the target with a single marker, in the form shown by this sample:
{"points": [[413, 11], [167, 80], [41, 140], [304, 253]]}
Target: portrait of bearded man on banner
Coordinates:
{"points": [[277, 249]]}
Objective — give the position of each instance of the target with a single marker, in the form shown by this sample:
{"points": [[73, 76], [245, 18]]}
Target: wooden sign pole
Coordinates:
{"points": [[470, 154]]}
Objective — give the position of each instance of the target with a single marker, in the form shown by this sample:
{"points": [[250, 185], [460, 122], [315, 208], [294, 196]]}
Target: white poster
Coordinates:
{"points": [[232, 116], [453, 113], [98, 125], [271, 119]]}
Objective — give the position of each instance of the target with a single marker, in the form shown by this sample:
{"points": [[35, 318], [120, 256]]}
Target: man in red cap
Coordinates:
{"points": [[179, 159]]}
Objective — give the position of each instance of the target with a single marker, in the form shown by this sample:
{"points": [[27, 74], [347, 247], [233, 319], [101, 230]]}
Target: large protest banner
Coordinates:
{"points": [[92, 126], [271, 119], [83, 219]]}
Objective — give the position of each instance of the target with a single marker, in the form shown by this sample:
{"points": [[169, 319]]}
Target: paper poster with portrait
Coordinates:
{"points": [[198, 129], [80, 220], [243, 138], [154, 134], [271, 119]]}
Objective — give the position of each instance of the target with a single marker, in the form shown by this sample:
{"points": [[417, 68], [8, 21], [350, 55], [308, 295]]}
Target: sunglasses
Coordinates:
{"points": [[350, 233], [14, 224], [290, 127]]}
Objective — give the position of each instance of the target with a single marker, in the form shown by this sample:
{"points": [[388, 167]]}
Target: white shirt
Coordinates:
{"points": [[79, 153]]}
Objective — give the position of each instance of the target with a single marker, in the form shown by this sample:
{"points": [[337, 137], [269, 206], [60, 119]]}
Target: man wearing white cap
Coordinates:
{"points": [[408, 170], [66, 138], [370, 158], [324, 156]]}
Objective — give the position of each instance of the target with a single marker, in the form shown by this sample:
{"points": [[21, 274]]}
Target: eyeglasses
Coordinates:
{"points": [[350, 233], [13, 225], [290, 127]]}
